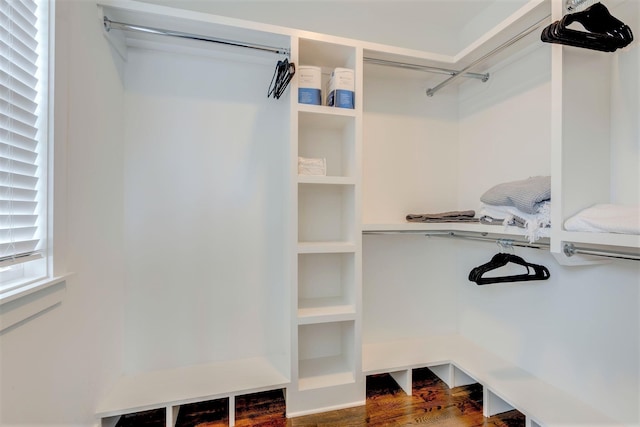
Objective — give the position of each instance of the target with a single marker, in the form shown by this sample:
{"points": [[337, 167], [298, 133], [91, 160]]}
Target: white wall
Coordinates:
{"points": [[408, 291], [205, 168], [579, 330], [505, 126], [56, 366], [410, 147]]}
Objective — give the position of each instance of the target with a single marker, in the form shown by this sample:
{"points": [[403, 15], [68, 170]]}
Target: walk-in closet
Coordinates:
{"points": [[229, 231]]}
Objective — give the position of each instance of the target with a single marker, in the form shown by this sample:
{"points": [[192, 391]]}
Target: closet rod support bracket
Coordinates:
{"points": [[483, 78], [569, 249]]}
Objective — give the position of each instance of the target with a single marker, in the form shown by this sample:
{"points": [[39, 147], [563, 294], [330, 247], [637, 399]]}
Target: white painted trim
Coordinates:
{"points": [[31, 300], [326, 409]]}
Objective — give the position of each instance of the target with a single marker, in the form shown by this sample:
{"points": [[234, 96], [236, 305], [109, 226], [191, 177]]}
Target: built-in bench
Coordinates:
{"points": [[454, 359], [199, 383], [457, 361]]}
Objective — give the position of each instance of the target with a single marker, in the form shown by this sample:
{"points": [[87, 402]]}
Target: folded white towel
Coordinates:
{"points": [[536, 225], [311, 166], [606, 218]]}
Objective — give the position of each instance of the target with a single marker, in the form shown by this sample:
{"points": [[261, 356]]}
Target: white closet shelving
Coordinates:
{"points": [[368, 149], [595, 139], [326, 339], [211, 363]]}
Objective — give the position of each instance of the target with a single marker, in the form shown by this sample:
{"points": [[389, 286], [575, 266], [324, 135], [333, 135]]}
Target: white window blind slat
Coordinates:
{"points": [[24, 32], [16, 166], [10, 221], [7, 235], [17, 126], [17, 207], [7, 45], [12, 79], [18, 181], [21, 194], [8, 250], [22, 8], [18, 114], [15, 153], [7, 95], [25, 46], [11, 75], [6, 18], [21, 201], [18, 140]]}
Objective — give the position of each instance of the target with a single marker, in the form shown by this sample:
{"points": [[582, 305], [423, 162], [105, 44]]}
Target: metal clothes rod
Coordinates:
{"points": [[482, 237], [502, 242], [109, 24], [432, 91], [425, 68], [570, 250]]}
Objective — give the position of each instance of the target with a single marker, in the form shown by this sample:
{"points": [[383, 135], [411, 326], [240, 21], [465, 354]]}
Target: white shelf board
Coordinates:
{"points": [[326, 111], [522, 19], [189, 384], [530, 395], [324, 372], [323, 310], [326, 180], [460, 227], [177, 19], [326, 247]]}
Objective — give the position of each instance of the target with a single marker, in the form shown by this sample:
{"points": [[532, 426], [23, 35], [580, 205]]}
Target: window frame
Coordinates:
{"points": [[39, 292]]}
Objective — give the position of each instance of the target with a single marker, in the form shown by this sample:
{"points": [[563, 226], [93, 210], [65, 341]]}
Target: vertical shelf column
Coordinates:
{"points": [[326, 303]]}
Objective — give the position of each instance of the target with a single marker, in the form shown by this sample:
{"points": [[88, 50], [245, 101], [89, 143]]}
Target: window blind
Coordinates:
{"points": [[20, 139]]}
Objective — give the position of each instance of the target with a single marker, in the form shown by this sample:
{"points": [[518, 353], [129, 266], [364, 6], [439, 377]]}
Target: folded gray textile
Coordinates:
{"points": [[453, 216], [515, 221], [526, 194]]}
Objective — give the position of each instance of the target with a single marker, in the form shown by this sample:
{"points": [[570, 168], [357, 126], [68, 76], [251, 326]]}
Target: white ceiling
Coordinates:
{"points": [[439, 26]]}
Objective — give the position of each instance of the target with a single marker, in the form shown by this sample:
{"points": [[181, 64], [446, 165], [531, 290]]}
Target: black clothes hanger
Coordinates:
{"points": [[534, 271], [282, 75], [604, 32]]}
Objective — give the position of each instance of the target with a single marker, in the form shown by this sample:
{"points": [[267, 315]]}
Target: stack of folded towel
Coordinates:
{"points": [[524, 203], [606, 218]]}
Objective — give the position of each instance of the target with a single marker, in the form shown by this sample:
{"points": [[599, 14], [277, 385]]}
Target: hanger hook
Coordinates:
{"points": [[505, 244]]}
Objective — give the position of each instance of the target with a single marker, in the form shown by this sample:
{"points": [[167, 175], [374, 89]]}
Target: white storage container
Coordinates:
{"points": [[309, 85]]}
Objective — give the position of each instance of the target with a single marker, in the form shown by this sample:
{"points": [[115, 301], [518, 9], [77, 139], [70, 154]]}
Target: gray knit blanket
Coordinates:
{"points": [[526, 195]]}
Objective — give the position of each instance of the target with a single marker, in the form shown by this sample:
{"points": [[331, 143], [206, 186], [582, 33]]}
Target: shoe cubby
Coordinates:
{"points": [[328, 136], [325, 286], [326, 213], [326, 354]]}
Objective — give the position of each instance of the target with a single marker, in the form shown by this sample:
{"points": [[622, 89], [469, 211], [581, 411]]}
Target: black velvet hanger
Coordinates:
{"points": [[282, 75], [534, 271], [604, 32]]}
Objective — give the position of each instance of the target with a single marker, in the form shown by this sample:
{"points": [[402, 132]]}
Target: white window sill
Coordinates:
{"points": [[28, 301]]}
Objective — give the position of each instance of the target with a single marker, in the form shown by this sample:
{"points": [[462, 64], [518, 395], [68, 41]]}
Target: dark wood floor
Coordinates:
{"points": [[432, 404]]}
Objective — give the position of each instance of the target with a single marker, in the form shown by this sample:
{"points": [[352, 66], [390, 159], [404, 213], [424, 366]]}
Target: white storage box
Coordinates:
{"points": [[341, 88], [309, 85]]}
